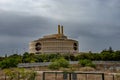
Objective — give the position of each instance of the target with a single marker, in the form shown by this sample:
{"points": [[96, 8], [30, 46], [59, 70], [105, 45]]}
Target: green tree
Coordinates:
{"points": [[28, 57], [84, 56], [96, 56], [106, 56], [2, 58], [116, 56], [38, 58], [58, 63], [72, 57], [54, 66], [9, 62], [54, 56], [19, 74], [86, 62], [66, 56], [63, 62], [110, 50], [25, 58]]}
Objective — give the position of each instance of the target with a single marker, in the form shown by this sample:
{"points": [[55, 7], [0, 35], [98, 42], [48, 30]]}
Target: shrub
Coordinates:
{"points": [[54, 66], [86, 62], [58, 63]]}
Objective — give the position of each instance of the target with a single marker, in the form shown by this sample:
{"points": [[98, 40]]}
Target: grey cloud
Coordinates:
{"points": [[18, 25], [16, 31], [95, 24]]}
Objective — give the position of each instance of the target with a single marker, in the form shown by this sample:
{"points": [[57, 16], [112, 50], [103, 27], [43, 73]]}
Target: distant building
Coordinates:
{"points": [[55, 43]]}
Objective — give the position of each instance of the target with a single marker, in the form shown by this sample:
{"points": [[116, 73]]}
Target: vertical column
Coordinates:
{"points": [[43, 76], [62, 30], [102, 76], [58, 29]]}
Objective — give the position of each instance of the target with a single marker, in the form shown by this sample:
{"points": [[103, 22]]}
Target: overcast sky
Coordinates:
{"points": [[94, 23]]}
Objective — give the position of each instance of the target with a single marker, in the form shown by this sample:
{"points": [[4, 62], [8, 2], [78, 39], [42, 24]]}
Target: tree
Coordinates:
{"points": [[110, 50], [19, 74], [66, 56], [8, 63], [28, 58], [58, 63], [1, 58], [86, 62], [106, 56], [72, 57], [63, 62], [25, 58], [38, 58], [84, 56], [54, 66], [116, 56]]}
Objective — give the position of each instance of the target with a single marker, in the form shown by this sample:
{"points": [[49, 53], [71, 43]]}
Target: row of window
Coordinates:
{"points": [[38, 46]]}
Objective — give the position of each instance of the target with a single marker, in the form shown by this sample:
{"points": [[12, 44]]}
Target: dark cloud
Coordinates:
{"points": [[95, 24], [18, 25], [16, 31]]}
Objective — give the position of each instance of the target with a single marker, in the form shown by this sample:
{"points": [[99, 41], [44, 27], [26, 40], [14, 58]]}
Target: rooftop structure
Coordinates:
{"points": [[54, 43]]}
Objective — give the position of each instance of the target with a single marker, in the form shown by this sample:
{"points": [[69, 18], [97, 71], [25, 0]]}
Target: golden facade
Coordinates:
{"points": [[55, 43]]}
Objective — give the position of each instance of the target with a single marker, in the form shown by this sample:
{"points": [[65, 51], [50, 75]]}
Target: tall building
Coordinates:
{"points": [[55, 43]]}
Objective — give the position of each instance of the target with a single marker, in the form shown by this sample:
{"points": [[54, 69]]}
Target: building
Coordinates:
{"points": [[55, 43]]}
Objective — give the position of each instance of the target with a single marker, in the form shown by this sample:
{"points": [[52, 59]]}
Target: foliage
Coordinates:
{"points": [[20, 74], [106, 56], [86, 62], [32, 76], [1, 58], [54, 56], [117, 76], [9, 62], [69, 57], [116, 56], [13, 60], [10, 74], [63, 63], [55, 65], [28, 58]]}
